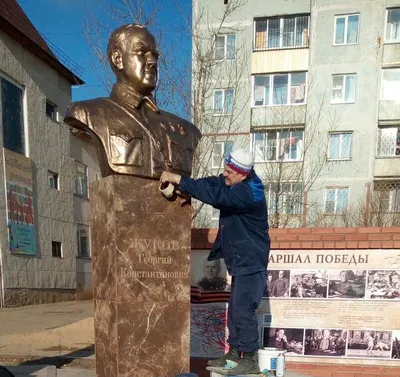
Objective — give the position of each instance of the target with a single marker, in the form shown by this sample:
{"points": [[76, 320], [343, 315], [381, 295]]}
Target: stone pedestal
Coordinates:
{"points": [[141, 261]]}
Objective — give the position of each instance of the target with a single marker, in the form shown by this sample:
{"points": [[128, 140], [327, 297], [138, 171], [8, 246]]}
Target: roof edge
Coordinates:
{"points": [[31, 46]]}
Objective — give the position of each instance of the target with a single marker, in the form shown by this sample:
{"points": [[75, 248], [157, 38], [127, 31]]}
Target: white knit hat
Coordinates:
{"points": [[241, 161]]}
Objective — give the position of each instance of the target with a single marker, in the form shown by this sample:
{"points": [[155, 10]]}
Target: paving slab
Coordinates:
{"points": [[72, 372], [33, 370], [215, 373]]}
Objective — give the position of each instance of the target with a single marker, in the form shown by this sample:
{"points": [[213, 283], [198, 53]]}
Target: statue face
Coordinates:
{"points": [[138, 64]]}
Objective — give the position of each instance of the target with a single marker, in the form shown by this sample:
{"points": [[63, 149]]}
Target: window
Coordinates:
{"points": [[340, 146], [52, 179], [386, 196], [12, 116], [336, 199], [225, 47], [81, 180], [390, 84], [56, 250], [285, 198], [223, 101], [278, 146], [51, 111], [281, 33], [388, 141], [214, 214], [220, 150], [393, 25], [346, 29], [83, 241], [343, 88], [279, 89]]}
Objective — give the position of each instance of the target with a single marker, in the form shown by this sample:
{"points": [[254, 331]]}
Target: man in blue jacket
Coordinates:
{"points": [[243, 242]]}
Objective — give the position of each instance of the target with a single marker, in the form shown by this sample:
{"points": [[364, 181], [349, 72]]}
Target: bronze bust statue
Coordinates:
{"points": [[132, 135]]}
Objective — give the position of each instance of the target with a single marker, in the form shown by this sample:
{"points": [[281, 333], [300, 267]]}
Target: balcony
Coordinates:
{"points": [[391, 54], [281, 44], [279, 61], [272, 116], [387, 163], [389, 110], [389, 105]]}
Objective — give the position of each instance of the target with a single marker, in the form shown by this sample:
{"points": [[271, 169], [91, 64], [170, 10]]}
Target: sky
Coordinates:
{"points": [[64, 24]]}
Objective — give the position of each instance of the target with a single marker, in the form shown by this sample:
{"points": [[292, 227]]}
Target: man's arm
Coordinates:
{"points": [[211, 191]]}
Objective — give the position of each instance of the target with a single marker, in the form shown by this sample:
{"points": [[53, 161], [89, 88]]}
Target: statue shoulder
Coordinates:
{"points": [[81, 109], [78, 113]]}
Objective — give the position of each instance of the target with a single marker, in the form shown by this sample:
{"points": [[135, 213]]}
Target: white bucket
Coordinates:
{"points": [[267, 358]]}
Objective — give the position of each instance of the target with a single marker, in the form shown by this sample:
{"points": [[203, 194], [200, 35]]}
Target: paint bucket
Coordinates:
{"points": [[267, 358]]}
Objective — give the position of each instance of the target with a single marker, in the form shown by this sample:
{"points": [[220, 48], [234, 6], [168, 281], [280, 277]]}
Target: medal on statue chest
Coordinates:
{"points": [[178, 155]]}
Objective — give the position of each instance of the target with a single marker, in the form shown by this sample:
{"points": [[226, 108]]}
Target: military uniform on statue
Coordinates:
{"points": [[140, 241], [133, 136]]}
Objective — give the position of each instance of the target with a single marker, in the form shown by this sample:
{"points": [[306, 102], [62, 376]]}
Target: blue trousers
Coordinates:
{"points": [[246, 294]]}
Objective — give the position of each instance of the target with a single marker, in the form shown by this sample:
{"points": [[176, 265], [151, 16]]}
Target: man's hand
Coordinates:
{"points": [[170, 177]]}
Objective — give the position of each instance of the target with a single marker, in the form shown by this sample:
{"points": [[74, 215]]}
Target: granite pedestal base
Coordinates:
{"points": [[141, 262]]}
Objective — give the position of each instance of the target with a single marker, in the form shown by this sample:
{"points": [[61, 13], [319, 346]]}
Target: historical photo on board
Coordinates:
{"points": [[383, 284], [347, 283], [325, 342], [369, 343], [292, 340], [208, 275], [277, 283], [396, 345], [309, 283]]}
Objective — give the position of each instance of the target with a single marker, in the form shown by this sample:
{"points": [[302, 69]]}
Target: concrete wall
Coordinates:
{"points": [[359, 117], [84, 152], [41, 278], [323, 59]]}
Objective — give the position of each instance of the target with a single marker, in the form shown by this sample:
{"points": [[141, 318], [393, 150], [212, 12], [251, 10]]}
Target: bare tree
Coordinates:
{"points": [[378, 207], [220, 85], [295, 157], [211, 89]]}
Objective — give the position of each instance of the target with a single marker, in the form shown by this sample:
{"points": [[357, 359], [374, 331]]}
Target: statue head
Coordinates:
{"points": [[133, 56]]}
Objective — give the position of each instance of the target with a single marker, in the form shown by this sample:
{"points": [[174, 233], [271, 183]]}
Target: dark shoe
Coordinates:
{"points": [[233, 355], [248, 364]]}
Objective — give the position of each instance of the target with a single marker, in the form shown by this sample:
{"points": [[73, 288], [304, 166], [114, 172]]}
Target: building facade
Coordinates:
{"points": [[313, 89], [44, 231]]}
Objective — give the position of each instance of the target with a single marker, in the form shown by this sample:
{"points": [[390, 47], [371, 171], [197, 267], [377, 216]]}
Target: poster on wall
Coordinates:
{"points": [[332, 303], [336, 304], [208, 276], [19, 195]]}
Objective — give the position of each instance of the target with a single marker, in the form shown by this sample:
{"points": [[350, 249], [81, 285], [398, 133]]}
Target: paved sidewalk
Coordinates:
{"points": [[51, 371], [48, 371], [47, 330], [40, 334]]}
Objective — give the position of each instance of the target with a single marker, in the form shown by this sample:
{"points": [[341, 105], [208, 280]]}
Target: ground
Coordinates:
{"points": [[59, 334], [42, 333]]}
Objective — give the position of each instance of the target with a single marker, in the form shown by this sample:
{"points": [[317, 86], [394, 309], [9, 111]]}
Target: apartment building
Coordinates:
{"points": [[317, 100], [45, 171]]}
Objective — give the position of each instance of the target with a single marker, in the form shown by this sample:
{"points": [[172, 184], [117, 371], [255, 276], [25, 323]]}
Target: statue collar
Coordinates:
{"points": [[131, 97]]}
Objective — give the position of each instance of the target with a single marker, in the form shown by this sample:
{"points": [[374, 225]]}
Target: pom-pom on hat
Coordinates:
{"points": [[241, 161]]}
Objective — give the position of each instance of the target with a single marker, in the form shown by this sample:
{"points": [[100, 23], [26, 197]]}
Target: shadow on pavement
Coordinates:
{"points": [[62, 360], [36, 366]]}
